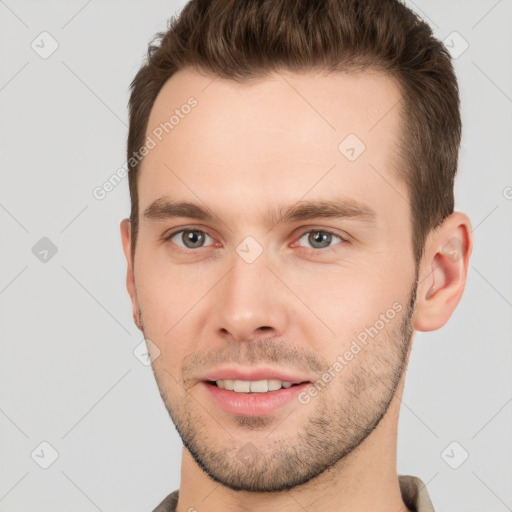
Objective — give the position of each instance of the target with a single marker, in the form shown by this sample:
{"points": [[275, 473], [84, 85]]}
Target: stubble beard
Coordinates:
{"points": [[343, 416]]}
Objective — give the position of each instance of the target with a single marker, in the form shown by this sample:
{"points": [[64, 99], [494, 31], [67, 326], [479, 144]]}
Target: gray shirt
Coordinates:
{"points": [[414, 495]]}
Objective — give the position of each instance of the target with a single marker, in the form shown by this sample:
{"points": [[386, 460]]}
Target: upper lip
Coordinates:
{"points": [[254, 374]]}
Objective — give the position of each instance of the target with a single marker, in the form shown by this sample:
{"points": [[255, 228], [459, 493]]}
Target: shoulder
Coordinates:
{"points": [[169, 503], [415, 494]]}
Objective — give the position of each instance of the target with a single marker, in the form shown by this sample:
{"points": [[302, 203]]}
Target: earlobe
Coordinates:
{"points": [[443, 272]]}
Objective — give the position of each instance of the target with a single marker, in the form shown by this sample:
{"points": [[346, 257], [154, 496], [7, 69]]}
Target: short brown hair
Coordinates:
{"points": [[245, 39]]}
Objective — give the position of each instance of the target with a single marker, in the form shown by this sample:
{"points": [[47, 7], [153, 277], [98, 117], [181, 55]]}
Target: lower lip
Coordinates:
{"points": [[253, 404]]}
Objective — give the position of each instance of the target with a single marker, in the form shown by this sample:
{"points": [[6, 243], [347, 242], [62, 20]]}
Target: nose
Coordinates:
{"points": [[250, 304]]}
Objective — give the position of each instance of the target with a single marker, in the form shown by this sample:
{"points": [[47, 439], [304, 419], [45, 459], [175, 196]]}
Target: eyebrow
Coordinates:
{"points": [[164, 208]]}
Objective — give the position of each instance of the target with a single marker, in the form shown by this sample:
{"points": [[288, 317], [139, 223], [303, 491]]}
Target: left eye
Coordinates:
{"points": [[319, 239], [190, 238]]}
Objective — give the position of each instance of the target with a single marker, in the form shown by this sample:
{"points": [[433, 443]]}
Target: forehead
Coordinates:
{"points": [[280, 137]]}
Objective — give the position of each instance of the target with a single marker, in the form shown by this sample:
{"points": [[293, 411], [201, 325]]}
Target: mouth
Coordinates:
{"points": [[255, 397]]}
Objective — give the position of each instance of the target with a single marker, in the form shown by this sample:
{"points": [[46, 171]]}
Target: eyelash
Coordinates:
{"points": [[324, 250]]}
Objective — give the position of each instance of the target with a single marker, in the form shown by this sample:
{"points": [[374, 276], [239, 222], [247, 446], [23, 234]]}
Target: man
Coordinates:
{"points": [[292, 226]]}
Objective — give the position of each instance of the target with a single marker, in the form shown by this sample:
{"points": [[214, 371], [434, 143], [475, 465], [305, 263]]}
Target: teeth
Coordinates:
{"points": [[254, 386], [259, 386], [242, 386], [274, 384]]}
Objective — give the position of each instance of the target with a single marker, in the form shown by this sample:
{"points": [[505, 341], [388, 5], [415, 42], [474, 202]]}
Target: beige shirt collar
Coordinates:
{"points": [[414, 494]]}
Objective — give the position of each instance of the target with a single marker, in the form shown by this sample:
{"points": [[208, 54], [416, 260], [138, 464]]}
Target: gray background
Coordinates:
{"points": [[68, 374]]}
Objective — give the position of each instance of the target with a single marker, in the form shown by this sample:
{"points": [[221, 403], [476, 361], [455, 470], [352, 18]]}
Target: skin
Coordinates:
{"points": [[245, 149]]}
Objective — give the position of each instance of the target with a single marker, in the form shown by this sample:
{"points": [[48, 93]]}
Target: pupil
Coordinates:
{"points": [[193, 237], [321, 238]]}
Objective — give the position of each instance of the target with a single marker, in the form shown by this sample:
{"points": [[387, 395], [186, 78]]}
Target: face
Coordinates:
{"points": [[274, 246]]}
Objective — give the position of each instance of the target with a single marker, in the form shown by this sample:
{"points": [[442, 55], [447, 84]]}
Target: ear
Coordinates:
{"points": [[130, 276], [443, 272]]}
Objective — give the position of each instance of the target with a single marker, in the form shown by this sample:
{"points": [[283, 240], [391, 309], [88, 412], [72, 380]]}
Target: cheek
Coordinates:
{"points": [[166, 292], [172, 299], [348, 300], [164, 298]]}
